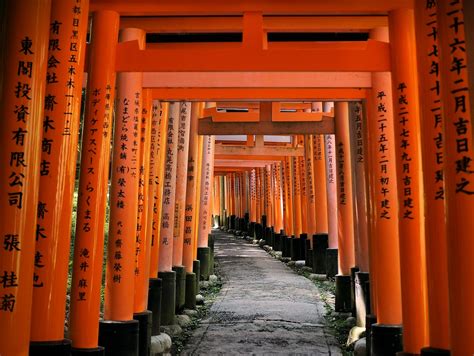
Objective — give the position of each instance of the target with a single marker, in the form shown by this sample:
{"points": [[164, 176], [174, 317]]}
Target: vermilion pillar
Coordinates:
{"points": [[144, 219], [384, 246], [432, 135], [278, 198], [304, 198], [160, 154], [361, 244], [296, 196], [253, 196], [345, 227], [205, 200], [180, 201], [320, 193], [289, 225], [189, 220], [165, 262], [456, 89], [309, 162], [93, 183], [268, 194], [57, 172], [124, 192], [197, 203], [22, 108], [407, 149]]}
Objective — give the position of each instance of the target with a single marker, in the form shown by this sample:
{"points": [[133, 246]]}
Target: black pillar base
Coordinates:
{"points": [[53, 348], [428, 351], [180, 287], [285, 244], [343, 294], [232, 222], [320, 245], [308, 253], [119, 338], [268, 236], [277, 242], [295, 248], [154, 304], [252, 229], [210, 242], [331, 262], [98, 351], [197, 272], [362, 300], [303, 238], [354, 270], [386, 340], [190, 295], [264, 221], [145, 320], [203, 255], [168, 297], [370, 320]]}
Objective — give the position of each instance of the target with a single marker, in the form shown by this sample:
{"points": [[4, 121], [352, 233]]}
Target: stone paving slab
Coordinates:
{"points": [[263, 308]]}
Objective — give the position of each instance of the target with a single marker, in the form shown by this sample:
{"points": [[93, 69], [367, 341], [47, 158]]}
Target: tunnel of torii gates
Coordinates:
{"points": [[337, 131]]}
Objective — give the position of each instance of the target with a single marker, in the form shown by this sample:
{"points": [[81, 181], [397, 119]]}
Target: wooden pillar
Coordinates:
{"points": [[278, 198], [181, 181], [296, 196], [58, 172], [309, 161], [456, 72], [93, 183], [331, 190], [169, 190], [144, 218], [23, 95], [162, 110], [191, 186], [320, 189], [268, 194], [406, 122], [289, 225], [206, 179], [361, 243], [253, 196], [124, 192], [384, 246], [432, 126], [303, 189], [197, 203]]}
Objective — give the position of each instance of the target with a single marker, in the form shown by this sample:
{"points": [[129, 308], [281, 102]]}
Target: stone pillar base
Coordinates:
{"points": [[119, 337], [168, 297]]}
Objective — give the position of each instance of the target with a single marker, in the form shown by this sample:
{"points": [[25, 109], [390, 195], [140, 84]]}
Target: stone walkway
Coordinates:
{"points": [[264, 308]]}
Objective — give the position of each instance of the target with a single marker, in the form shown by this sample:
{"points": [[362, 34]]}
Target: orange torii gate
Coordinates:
{"points": [[407, 226]]}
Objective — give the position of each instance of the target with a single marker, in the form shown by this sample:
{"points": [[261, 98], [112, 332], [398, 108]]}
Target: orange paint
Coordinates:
{"points": [[181, 182], [304, 197], [268, 195], [253, 196], [58, 168], [189, 220], [144, 217], [22, 108], [162, 109], [311, 201], [289, 220], [331, 190], [124, 192], [93, 183], [205, 198], [197, 202], [385, 256], [457, 106], [319, 180], [411, 231], [295, 175], [169, 190], [278, 198], [345, 211], [432, 124]]}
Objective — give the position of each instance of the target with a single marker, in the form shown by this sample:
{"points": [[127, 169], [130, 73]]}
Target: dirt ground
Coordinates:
{"points": [[264, 308]]}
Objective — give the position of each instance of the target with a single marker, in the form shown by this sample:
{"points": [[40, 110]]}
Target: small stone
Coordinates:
{"points": [[204, 284], [317, 277], [267, 248], [261, 242], [172, 330], [278, 254], [183, 320], [307, 269], [160, 344], [291, 263], [213, 279], [356, 333], [255, 242], [190, 312], [199, 299], [360, 347], [285, 259], [300, 264]]}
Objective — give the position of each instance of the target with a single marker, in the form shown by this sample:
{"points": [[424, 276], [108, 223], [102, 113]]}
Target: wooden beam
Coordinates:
{"points": [[257, 80], [232, 24], [370, 56], [267, 7], [220, 163], [226, 152], [207, 127], [259, 94]]}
